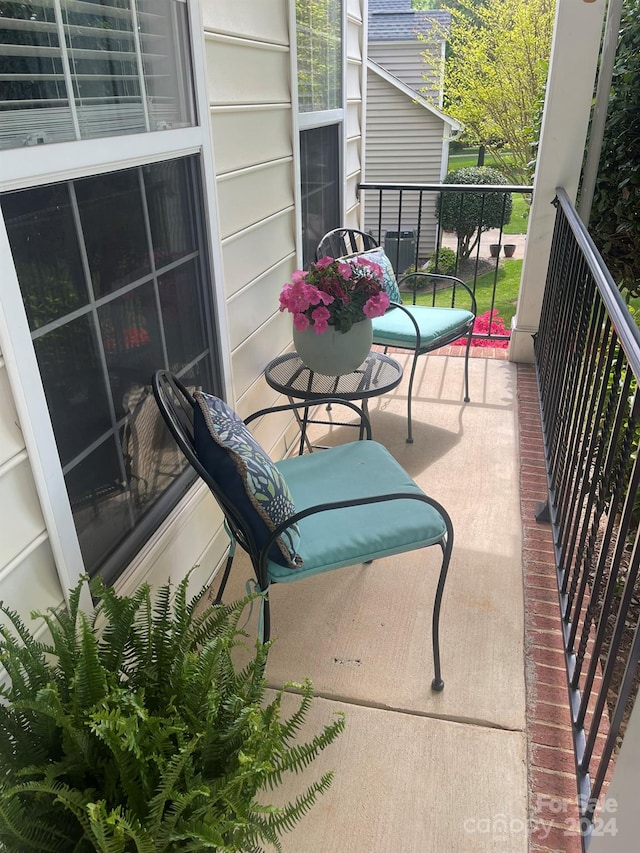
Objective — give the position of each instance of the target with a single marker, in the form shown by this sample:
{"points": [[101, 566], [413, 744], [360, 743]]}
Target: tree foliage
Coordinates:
{"points": [[494, 73], [134, 730], [470, 213], [615, 217]]}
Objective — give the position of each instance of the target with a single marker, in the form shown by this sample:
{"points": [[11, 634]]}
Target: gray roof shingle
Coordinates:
{"points": [[395, 20]]}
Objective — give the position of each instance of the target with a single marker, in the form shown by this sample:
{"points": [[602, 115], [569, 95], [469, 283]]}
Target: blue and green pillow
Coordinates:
{"points": [[379, 256], [246, 474]]}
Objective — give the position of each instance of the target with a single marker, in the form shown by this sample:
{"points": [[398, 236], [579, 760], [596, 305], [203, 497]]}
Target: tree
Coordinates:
{"points": [[469, 214], [494, 73], [614, 221]]}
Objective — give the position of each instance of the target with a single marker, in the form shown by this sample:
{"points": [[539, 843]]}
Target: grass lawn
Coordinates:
{"points": [[519, 215], [506, 296]]}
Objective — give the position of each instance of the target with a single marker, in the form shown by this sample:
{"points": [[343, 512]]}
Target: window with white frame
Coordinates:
{"points": [[112, 263], [113, 276], [79, 69], [320, 105]]}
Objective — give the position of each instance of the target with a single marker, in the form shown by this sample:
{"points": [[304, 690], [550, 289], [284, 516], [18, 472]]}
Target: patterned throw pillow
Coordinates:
{"points": [[242, 470], [379, 256]]}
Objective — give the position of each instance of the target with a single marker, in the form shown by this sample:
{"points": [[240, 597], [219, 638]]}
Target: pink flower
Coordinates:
{"points": [[334, 293], [325, 262], [489, 322], [375, 306], [320, 317], [315, 296], [293, 298], [345, 270], [301, 322]]}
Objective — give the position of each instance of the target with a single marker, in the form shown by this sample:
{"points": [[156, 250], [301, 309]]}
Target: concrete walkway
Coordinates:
{"points": [[415, 771], [449, 240]]}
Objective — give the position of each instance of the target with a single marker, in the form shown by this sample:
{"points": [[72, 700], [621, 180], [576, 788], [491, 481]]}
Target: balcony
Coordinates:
{"points": [[417, 770], [503, 757]]}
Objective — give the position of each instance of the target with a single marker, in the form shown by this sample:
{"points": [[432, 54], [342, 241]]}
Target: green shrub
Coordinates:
{"points": [[614, 221], [144, 736], [464, 212], [443, 261]]}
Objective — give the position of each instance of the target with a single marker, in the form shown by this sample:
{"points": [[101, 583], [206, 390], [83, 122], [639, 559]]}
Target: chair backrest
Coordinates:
{"points": [[344, 241], [176, 405]]}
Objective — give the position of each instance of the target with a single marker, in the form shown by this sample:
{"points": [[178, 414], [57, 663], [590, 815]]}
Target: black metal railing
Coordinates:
{"points": [[587, 354], [405, 219]]}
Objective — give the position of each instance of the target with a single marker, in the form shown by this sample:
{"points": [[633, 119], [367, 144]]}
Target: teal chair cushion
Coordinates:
{"points": [[437, 326], [346, 537], [248, 477]]}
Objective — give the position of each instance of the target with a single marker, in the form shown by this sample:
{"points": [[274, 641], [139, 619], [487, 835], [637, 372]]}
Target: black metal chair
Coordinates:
{"points": [[345, 241], [380, 511], [418, 328]]}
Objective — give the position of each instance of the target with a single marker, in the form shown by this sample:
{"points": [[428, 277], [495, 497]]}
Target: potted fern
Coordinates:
{"points": [[133, 730]]}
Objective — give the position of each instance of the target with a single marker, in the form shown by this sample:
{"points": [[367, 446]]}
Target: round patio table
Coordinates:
{"points": [[378, 374]]}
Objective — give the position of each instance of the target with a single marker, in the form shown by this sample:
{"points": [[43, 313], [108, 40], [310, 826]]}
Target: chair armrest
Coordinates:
{"points": [[365, 424], [416, 327], [451, 283]]}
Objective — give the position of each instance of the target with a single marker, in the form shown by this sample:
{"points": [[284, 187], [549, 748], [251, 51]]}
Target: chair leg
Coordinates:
{"points": [[266, 619], [227, 568], [437, 684], [466, 367], [409, 396]]}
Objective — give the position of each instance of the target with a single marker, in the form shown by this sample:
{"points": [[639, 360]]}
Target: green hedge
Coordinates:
{"points": [[615, 223]]}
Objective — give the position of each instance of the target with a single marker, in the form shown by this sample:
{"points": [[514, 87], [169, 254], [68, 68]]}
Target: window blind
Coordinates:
{"points": [[79, 69]]}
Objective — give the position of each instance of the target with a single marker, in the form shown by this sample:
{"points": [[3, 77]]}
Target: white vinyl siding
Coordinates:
{"points": [[28, 576], [404, 145], [248, 69], [404, 60], [250, 103]]}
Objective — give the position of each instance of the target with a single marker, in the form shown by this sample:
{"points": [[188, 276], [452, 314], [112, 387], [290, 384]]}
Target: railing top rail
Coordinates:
{"points": [[624, 324], [464, 188]]}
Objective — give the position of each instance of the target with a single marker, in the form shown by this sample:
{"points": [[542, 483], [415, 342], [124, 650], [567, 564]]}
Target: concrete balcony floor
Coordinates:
{"points": [[417, 771]]}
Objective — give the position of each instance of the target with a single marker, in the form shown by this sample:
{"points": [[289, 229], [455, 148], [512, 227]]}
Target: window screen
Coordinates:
{"points": [[320, 184]]}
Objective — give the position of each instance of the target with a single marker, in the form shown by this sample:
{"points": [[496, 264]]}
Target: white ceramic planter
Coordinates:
{"points": [[334, 353]]}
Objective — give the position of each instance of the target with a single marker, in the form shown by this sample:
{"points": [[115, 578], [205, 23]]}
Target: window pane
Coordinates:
{"points": [[119, 253], [130, 332], [122, 67], [319, 37], [98, 340], [182, 316], [45, 250], [73, 380], [171, 216], [320, 180], [100, 502]]}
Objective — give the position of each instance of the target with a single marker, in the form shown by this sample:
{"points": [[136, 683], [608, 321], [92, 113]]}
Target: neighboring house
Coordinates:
{"points": [[407, 134], [164, 167], [394, 42]]}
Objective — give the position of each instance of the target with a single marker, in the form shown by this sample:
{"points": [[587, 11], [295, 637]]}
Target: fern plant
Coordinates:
{"points": [[133, 730]]}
